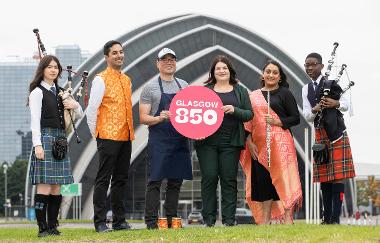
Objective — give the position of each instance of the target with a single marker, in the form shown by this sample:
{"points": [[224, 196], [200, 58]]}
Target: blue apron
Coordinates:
{"points": [[169, 154]]}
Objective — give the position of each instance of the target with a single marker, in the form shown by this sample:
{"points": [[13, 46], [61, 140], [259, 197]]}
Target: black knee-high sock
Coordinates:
{"points": [[326, 189], [40, 204], [53, 210], [338, 195]]}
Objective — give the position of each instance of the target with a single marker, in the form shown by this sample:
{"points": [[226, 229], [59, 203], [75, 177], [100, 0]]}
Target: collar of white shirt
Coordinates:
{"points": [[46, 85], [318, 79]]}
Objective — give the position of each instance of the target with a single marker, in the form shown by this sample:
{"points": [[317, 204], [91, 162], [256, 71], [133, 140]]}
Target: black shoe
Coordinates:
{"points": [[42, 229], [152, 226], [209, 225], [230, 224], [123, 226], [334, 222], [102, 228], [325, 222], [43, 233], [54, 231]]}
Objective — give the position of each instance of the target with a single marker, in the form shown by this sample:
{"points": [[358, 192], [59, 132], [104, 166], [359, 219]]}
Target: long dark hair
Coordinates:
{"points": [[39, 75], [220, 58], [283, 79]]}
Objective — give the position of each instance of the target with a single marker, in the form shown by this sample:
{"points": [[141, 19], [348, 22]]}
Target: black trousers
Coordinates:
{"points": [[152, 200], [114, 160]]}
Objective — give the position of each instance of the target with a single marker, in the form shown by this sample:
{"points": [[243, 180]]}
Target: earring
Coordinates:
{"points": [[280, 81]]}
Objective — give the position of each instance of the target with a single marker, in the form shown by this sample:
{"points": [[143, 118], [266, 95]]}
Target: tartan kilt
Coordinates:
{"points": [[50, 170], [341, 165]]}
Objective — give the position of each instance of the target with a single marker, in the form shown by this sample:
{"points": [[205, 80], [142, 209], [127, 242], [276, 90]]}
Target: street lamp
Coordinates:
{"points": [[5, 169], [21, 205]]}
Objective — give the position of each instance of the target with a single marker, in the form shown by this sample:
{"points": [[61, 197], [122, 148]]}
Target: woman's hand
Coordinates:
{"points": [[39, 151], [253, 149], [228, 109], [70, 103], [273, 121]]}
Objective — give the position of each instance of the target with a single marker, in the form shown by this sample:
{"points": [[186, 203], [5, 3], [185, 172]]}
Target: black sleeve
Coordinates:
{"points": [[292, 117]]}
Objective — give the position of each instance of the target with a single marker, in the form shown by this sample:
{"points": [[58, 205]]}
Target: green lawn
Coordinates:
{"points": [[299, 232]]}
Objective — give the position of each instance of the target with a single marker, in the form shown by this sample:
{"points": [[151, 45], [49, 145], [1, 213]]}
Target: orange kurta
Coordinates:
{"points": [[284, 166], [114, 120]]}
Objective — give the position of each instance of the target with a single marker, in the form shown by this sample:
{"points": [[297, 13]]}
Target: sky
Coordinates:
{"points": [[297, 27]]}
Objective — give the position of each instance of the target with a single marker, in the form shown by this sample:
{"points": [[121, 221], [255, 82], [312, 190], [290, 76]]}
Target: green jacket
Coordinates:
{"points": [[243, 113]]}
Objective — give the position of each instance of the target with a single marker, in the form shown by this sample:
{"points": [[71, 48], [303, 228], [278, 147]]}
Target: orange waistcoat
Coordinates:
{"points": [[114, 120]]}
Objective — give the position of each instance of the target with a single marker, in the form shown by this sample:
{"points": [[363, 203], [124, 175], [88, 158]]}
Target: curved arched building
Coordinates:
{"points": [[196, 39]]}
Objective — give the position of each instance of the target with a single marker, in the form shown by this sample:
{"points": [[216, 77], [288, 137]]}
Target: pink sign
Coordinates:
{"points": [[196, 112]]}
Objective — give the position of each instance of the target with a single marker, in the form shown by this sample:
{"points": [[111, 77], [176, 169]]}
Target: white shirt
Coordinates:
{"points": [[96, 96], [343, 101], [35, 105]]}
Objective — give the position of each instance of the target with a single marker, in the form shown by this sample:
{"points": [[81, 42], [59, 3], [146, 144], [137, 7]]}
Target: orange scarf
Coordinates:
{"points": [[284, 166]]}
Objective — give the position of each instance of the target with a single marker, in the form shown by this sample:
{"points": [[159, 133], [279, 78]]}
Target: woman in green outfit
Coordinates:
{"points": [[219, 153]]}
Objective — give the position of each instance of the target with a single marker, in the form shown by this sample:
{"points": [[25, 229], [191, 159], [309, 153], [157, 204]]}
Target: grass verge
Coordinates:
{"points": [[299, 232]]}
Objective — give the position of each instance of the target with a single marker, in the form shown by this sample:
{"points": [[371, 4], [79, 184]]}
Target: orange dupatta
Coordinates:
{"points": [[284, 166]]}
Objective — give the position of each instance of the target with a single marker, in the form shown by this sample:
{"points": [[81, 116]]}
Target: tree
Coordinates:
{"points": [[16, 176], [369, 189], [16, 180]]}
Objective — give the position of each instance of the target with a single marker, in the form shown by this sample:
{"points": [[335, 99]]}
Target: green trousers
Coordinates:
{"points": [[219, 160]]}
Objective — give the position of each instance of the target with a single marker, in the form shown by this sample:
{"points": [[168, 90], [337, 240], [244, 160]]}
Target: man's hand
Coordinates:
{"points": [[329, 103], [317, 108], [164, 115]]}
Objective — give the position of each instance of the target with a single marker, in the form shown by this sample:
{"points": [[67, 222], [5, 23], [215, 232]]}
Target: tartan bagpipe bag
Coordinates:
{"points": [[59, 148], [320, 153]]}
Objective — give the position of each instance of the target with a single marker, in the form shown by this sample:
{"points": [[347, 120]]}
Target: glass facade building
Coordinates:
{"points": [[15, 76]]}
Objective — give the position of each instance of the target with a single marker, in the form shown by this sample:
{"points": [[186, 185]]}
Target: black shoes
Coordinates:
{"points": [[102, 228], [209, 225], [123, 226], [152, 226], [230, 224]]}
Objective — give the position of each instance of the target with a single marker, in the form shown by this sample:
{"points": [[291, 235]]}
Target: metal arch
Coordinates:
{"points": [[183, 35], [177, 20], [141, 132], [271, 51]]}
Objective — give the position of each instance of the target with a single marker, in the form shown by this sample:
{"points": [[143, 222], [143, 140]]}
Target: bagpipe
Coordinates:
{"points": [[331, 119], [331, 88], [69, 115]]}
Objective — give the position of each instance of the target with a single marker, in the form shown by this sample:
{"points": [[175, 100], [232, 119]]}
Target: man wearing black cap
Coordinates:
{"points": [[169, 154]]}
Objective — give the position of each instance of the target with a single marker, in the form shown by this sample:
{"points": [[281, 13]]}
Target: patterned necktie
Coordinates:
{"points": [[52, 89], [315, 85]]}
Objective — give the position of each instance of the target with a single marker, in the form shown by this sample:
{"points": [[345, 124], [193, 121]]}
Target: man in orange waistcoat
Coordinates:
{"points": [[109, 118]]}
